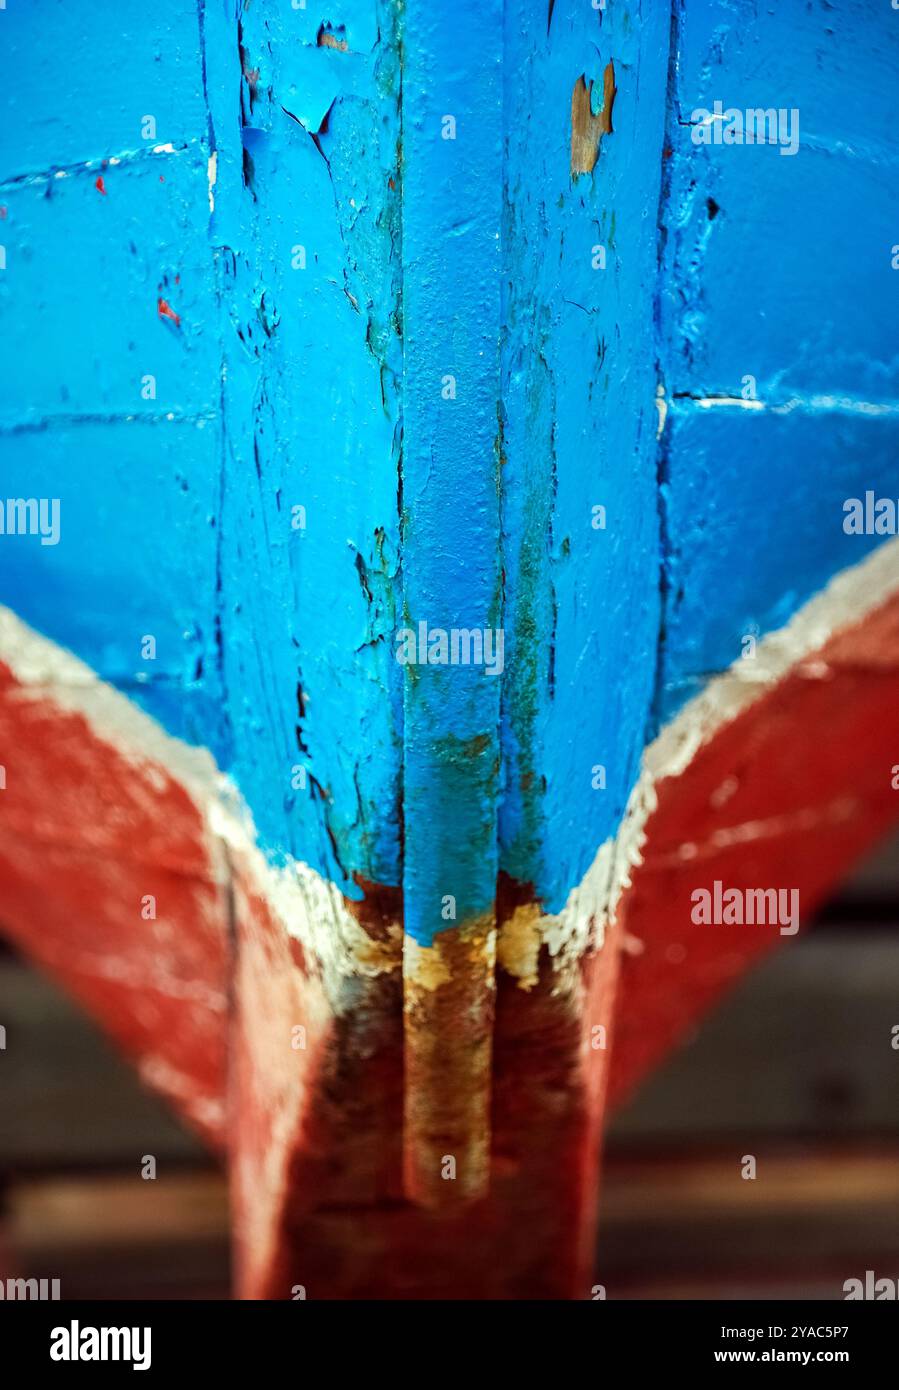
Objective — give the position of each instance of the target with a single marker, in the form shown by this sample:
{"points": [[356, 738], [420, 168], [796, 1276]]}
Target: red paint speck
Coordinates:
{"points": [[166, 312], [100, 185]]}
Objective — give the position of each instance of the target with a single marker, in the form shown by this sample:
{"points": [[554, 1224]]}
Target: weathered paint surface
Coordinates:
{"points": [[776, 284], [790, 792], [111, 882], [227, 350], [452, 211], [276, 388], [312, 419], [168, 251], [452, 208], [579, 425], [315, 1133]]}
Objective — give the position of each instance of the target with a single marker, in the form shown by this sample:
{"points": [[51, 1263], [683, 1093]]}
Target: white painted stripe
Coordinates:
{"points": [[810, 405], [847, 599], [312, 908]]}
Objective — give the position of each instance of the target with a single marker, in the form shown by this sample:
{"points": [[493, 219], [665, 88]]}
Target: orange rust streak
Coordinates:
{"points": [[448, 1007]]}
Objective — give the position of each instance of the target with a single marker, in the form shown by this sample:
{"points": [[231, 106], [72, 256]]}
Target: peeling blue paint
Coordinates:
{"points": [[278, 388], [226, 346], [452, 206], [582, 600], [777, 284]]}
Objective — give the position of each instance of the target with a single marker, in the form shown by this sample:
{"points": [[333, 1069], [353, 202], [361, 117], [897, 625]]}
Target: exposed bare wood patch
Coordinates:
{"points": [[588, 129], [327, 38]]}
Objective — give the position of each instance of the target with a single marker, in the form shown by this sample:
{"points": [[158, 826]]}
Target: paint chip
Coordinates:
{"points": [[165, 311], [662, 408], [329, 38], [587, 130]]}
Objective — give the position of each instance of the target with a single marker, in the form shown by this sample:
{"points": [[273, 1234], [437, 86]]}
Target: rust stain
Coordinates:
{"points": [[448, 1002], [379, 912], [587, 130]]}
